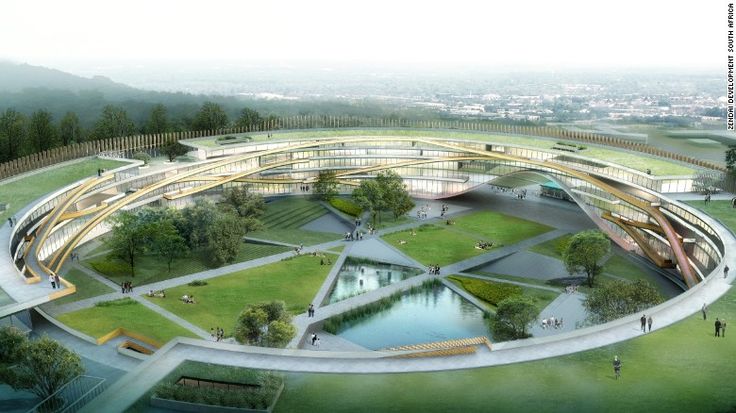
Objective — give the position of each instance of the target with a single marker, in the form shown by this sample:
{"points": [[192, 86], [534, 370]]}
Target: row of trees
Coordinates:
{"points": [[217, 230], [22, 135]]}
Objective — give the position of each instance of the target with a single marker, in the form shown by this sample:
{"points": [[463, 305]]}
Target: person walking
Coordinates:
{"points": [[718, 327], [649, 323], [725, 271], [643, 321], [723, 328], [705, 311], [52, 280], [616, 367], [57, 280]]}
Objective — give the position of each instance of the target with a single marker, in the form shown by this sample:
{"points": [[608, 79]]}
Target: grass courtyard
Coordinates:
{"points": [[20, 192], [445, 244], [295, 281], [127, 313], [151, 268]]}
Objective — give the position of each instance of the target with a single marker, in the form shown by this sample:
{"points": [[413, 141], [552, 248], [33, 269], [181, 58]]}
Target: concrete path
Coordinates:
{"points": [[569, 308]]}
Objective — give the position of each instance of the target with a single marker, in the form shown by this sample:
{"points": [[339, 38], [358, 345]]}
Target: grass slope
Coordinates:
{"points": [[295, 281], [86, 287], [129, 314], [23, 191], [284, 218]]}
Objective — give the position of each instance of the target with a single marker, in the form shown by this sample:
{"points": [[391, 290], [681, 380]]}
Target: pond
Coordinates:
{"points": [[436, 314], [358, 276]]}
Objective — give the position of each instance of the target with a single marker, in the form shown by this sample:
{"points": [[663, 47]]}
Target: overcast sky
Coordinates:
{"points": [[554, 34]]}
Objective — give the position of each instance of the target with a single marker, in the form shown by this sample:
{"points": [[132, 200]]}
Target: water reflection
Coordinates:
{"points": [[358, 276], [435, 315]]}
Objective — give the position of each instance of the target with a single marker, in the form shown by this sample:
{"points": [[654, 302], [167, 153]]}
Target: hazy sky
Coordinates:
{"points": [[575, 33]]}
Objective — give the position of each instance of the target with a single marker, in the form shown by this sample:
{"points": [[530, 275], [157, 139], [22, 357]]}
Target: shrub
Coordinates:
{"points": [[489, 291], [347, 206], [116, 303], [197, 283], [142, 156]]}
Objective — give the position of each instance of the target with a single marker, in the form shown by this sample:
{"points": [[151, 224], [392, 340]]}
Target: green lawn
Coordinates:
{"points": [[718, 209], [632, 160], [284, 218], [129, 314], [294, 281], [86, 287], [500, 228], [434, 244], [552, 248], [21, 192], [444, 244], [151, 268]]}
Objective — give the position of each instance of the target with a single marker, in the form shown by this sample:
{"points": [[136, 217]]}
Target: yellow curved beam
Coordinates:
{"points": [[669, 232]]}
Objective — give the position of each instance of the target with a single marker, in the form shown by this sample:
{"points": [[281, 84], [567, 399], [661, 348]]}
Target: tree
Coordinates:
{"points": [[196, 221], [12, 341], [224, 238], [42, 134], [326, 186], [243, 202], [174, 150], [43, 367], [113, 122], [158, 120], [167, 242], [584, 251], [12, 134], [617, 298], [370, 197], [248, 118], [210, 116], [265, 324], [129, 237], [70, 129], [395, 195], [513, 316]]}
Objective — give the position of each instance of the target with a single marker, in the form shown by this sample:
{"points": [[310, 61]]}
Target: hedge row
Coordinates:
{"points": [[347, 206], [488, 291]]}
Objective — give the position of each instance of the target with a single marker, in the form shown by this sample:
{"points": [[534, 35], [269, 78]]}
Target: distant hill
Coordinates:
{"points": [[16, 77]]}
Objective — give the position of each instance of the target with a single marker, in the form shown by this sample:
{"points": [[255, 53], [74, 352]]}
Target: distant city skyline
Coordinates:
{"points": [[534, 35]]}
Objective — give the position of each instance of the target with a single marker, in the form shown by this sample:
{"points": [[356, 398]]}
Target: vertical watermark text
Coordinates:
{"points": [[729, 77]]}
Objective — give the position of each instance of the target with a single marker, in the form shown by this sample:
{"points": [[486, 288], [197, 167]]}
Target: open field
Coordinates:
{"points": [[294, 281]]}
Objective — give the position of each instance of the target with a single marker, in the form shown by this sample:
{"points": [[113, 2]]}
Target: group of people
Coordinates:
{"points": [[310, 310], [423, 211], [126, 287], [315, 340], [74, 257], [520, 194], [444, 210], [433, 269], [645, 321], [720, 325], [298, 250], [217, 334], [552, 322], [188, 299], [54, 280], [159, 294], [350, 236], [304, 188], [483, 245], [571, 289]]}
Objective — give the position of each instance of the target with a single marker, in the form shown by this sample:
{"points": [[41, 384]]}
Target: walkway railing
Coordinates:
{"points": [[72, 396]]}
